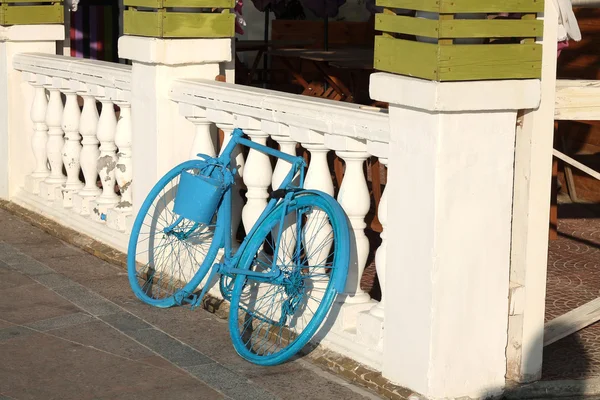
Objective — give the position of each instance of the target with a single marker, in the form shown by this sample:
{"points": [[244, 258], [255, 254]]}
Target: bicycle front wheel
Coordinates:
{"points": [[272, 319], [169, 255]]}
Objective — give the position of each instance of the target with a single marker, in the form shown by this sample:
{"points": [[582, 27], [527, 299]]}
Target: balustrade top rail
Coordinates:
{"points": [[101, 73], [327, 116]]}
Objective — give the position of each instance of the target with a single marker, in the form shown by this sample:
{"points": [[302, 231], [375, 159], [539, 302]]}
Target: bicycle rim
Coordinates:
{"points": [[168, 255]]}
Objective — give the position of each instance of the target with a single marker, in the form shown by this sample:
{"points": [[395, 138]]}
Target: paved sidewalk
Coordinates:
{"points": [[70, 328]]}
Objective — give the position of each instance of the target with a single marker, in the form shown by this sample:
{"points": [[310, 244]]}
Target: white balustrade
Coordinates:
{"points": [[78, 177], [39, 139], [107, 161]]}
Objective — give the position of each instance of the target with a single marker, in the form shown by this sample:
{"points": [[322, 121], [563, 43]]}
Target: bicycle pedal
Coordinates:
{"points": [[190, 299]]}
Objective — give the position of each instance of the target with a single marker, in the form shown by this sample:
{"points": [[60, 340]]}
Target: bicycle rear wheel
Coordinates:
{"points": [[272, 320], [169, 255]]}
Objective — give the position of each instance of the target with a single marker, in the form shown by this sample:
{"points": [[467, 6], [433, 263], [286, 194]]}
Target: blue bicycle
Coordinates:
{"points": [[282, 279]]}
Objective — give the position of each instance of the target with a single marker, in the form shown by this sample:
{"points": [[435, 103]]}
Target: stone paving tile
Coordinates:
{"points": [[125, 321], [170, 348], [230, 383], [71, 371], [60, 322], [31, 303], [12, 279], [54, 281], [13, 332], [88, 300], [98, 335]]}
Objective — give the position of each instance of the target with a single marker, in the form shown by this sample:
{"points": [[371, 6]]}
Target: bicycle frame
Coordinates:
{"points": [[224, 215]]}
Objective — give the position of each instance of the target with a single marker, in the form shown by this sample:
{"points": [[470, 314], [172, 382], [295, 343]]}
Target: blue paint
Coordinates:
{"points": [[201, 218]]}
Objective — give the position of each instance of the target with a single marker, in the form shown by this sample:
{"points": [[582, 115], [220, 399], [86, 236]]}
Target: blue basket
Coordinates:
{"points": [[198, 197]]}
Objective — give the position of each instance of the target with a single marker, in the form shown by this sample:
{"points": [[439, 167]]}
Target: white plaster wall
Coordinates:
{"points": [[451, 279]]}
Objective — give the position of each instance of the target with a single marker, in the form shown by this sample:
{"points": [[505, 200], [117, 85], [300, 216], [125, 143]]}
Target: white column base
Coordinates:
{"points": [[347, 317], [64, 197], [99, 211], [370, 330], [83, 204], [32, 184], [121, 220], [48, 190]]}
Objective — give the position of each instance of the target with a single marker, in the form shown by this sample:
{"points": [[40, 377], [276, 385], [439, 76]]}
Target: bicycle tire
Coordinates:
{"points": [[250, 298]]}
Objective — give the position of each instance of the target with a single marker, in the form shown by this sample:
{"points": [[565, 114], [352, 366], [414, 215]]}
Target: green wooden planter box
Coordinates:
{"points": [[164, 19], [17, 12], [443, 49]]}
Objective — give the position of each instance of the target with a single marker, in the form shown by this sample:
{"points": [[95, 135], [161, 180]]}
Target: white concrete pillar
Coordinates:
{"points": [[449, 192], [161, 137], [16, 98]]}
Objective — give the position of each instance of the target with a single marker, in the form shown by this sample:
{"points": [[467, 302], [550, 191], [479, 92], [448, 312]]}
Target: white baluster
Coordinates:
{"points": [[54, 146], [287, 145], [107, 161], [120, 217], [90, 152], [318, 176], [257, 177], [203, 141], [381, 254], [354, 198], [282, 168], [124, 172], [318, 231], [72, 147], [39, 139], [237, 162]]}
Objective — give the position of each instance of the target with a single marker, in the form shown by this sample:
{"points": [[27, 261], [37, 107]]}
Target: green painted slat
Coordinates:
{"points": [[31, 15], [408, 25], [493, 28], [199, 25], [29, 1], [406, 57], [156, 4], [466, 6], [458, 62], [178, 25], [457, 28], [500, 61], [142, 23]]}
